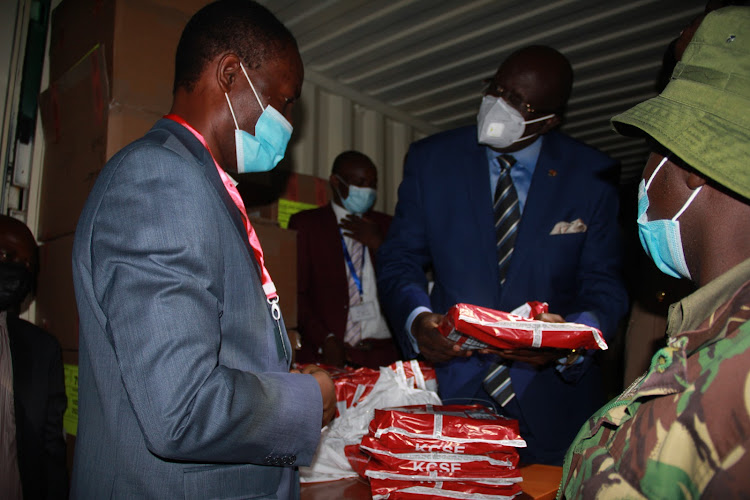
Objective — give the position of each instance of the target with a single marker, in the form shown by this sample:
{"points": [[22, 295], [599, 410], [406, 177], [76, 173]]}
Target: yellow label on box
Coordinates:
{"points": [[70, 419], [287, 208]]}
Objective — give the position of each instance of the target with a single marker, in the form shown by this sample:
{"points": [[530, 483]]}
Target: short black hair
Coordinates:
{"points": [[241, 26], [348, 156]]}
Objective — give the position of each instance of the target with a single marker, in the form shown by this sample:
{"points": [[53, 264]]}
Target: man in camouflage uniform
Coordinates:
{"points": [[683, 429]]}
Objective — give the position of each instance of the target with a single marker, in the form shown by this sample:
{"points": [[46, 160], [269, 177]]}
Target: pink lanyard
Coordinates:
{"points": [[268, 287]]}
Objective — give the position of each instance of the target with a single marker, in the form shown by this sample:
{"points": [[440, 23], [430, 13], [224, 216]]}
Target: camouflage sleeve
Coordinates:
{"points": [[732, 480]]}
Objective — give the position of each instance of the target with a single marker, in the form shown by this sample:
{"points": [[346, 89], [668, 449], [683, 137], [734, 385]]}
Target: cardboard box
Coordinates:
{"points": [[139, 39], [55, 298], [74, 118], [82, 129], [125, 125], [280, 253], [56, 309]]}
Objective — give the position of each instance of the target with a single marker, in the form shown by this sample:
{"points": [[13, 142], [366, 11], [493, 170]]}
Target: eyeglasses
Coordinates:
{"points": [[509, 96]]}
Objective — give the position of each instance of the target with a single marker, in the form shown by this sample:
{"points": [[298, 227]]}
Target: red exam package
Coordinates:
{"points": [[463, 424], [475, 327]]}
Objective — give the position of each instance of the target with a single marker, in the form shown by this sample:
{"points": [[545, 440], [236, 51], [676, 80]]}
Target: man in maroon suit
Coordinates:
{"points": [[339, 315]]}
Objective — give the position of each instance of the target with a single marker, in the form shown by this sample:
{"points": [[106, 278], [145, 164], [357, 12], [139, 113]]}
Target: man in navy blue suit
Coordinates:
{"points": [[564, 248]]}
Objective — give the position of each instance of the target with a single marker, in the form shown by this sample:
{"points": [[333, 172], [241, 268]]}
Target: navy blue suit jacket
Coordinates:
{"points": [[444, 222], [40, 402]]}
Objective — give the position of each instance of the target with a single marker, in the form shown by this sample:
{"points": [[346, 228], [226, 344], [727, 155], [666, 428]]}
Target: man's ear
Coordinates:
{"points": [[549, 124], [695, 180], [227, 71]]}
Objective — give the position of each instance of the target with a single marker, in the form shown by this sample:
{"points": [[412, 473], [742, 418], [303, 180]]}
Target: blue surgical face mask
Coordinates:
{"points": [[264, 150], [360, 199], [661, 239]]}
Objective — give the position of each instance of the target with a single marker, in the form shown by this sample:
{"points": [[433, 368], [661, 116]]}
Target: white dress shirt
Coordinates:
{"points": [[375, 328]]}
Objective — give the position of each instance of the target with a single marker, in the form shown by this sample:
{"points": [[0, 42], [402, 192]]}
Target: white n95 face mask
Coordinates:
{"points": [[499, 125]]}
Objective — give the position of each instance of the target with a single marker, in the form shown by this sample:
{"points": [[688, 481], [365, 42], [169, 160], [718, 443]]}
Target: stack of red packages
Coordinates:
{"points": [[450, 451], [353, 385], [475, 327]]}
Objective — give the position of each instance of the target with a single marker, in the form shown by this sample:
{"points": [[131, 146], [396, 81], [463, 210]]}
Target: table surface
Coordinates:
{"points": [[540, 482]]}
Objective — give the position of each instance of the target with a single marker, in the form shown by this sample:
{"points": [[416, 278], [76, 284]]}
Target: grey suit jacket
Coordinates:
{"points": [[184, 383]]}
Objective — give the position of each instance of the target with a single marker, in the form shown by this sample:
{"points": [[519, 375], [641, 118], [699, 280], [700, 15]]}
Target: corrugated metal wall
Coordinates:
{"points": [[380, 75], [422, 62], [327, 123]]}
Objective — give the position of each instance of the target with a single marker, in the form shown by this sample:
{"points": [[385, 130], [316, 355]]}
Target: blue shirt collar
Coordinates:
{"points": [[526, 158]]}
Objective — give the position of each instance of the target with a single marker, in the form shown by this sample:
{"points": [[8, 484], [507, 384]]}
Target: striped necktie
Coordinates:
{"points": [[497, 384], [353, 332], [507, 215]]}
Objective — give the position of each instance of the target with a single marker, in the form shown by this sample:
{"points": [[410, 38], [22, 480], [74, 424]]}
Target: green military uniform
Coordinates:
{"points": [[683, 429]]}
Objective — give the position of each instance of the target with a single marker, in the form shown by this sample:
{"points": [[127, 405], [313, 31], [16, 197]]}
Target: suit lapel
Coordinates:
{"points": [[539, 203], [203, 157], [334, 249], [477, 174]]}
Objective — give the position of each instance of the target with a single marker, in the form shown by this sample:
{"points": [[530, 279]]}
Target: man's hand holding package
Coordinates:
{"points": [[432, 345], [536, 357], [327, 390]]}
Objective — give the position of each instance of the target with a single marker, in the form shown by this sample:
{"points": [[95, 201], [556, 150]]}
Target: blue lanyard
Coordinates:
{"points": [[350, 265]]}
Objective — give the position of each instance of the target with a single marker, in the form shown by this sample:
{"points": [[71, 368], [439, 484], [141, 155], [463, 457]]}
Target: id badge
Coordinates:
{"points": [[362, 312]]}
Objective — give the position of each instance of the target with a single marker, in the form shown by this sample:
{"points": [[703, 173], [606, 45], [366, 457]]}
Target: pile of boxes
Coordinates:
{"points": [[111, 70]]}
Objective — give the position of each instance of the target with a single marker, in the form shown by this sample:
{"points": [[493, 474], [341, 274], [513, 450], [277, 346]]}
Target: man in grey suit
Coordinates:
{"points": [[184, 382]]}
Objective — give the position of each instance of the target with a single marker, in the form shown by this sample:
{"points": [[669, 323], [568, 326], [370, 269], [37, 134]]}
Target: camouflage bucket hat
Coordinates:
{"points": [[703, 115]]}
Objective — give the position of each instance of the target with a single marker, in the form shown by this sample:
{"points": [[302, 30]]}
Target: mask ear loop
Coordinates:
{"points": [[688, 202], [342, 180], [252, 86], [337, 189], [662, 162], [526, 122], [232, 111], [237, 126]]}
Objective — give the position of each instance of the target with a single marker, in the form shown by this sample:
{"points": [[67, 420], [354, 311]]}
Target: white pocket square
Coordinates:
{"points": [[562, 227]]}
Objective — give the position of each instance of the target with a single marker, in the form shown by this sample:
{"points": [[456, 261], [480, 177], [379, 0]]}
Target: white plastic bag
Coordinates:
{"points": [[391, 389]]}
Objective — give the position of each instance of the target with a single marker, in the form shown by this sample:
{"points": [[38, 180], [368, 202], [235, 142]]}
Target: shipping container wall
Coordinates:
{"points": [[325, 124]]}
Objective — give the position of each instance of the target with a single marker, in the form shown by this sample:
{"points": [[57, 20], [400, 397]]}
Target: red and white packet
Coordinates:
{"points": [[401, 443], [474, 424], [476, 327], [353, 385], [447, 467], [505, 454], [390, 489]]}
